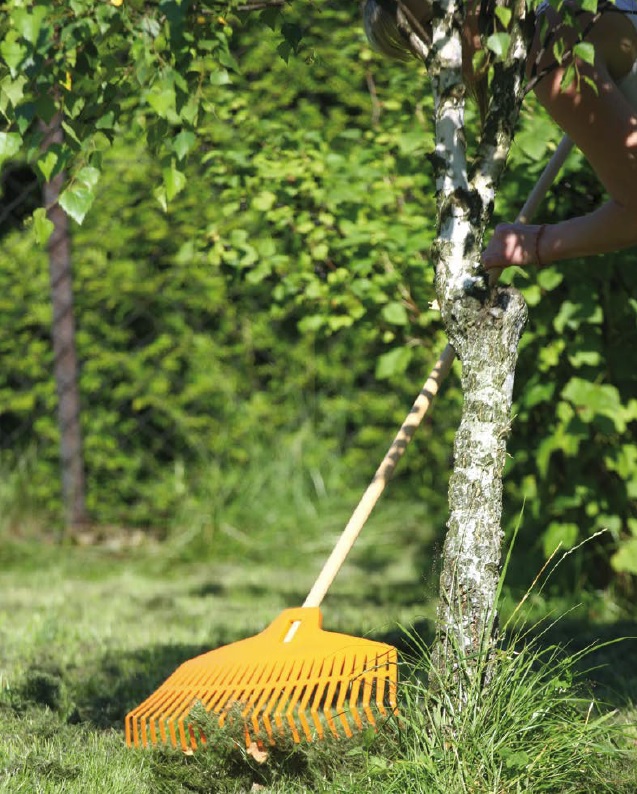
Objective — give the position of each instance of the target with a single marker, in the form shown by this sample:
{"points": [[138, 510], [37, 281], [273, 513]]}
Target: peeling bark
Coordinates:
{"points": [[485, 337], [484, 324]]}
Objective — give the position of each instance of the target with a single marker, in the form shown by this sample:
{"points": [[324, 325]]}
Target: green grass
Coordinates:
{"points": [[535, 728], [18, 513], [87, 633]]}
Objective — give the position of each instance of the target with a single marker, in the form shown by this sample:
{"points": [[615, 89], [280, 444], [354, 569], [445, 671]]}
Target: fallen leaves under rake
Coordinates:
{"points": [[292, 679]]}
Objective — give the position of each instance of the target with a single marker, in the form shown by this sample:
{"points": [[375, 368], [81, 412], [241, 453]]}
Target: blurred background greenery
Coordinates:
{"points": [[247, 356]]}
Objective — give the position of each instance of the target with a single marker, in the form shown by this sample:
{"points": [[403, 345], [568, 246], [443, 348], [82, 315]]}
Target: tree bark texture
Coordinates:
{"points": [[484, 324], [63, 336], [485, 337]]}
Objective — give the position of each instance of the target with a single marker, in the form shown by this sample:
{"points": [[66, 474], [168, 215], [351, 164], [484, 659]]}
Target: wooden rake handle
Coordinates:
{"points": [[416, 414]]}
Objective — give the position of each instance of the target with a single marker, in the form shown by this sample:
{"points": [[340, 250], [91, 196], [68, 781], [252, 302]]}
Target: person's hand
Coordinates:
{"points": [[513, 244]]}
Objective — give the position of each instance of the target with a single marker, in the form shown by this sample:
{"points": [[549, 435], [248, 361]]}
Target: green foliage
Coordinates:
{"points": [[182, 365], [295, 293], [573, 447], [20, 514], [309, 195], [101, 65], [231, 322]]}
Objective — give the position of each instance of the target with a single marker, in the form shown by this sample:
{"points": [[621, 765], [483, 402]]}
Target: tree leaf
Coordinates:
{"points": [[585, 358], [264, 201], [596, 400], [498, 43], [88, 176], [12, 90], [29, 22], [585, 51], [625, 558], [559, 534], [395, 313], [292, 34], [76, 201], [219, 77], [569, 77], [13, 52], [77, 198], [504, 15], [45, 107], [162, 99], [395, 362], [184, 143], [48, 162], [10, 143], [42, 226], [271, 16], [174, 181]]}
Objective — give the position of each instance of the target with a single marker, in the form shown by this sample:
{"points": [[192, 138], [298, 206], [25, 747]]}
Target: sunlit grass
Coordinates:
{"points": [[86, 634], [534, 728]]}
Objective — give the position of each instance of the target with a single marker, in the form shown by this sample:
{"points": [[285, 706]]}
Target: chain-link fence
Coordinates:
{"points": [[111, 386], [41, 361], [134, 369]]}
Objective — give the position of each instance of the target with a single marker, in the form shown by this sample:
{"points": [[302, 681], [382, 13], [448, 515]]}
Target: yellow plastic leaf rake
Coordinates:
{"points": [[294, 679], [318, 683]]}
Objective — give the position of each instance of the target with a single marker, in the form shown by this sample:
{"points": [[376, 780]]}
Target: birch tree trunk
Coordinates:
{"points": [[63, 335], [484, 324]]}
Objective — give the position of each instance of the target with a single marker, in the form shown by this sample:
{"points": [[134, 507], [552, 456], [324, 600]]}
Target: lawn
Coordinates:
{"points": [[86, 633]]}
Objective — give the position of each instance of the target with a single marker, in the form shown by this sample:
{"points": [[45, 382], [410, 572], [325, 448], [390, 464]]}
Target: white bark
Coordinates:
{"points": [[484, 326]]}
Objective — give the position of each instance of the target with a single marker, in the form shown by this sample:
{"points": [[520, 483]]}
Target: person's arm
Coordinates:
{"points": [[609, 228], [604, 126]]}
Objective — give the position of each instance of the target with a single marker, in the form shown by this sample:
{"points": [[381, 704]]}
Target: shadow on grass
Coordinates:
{"points": [[380, 587], [101, 691], [611, 664]]}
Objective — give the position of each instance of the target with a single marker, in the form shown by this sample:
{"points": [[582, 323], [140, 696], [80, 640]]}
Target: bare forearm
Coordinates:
{"points": [[611, 227]]}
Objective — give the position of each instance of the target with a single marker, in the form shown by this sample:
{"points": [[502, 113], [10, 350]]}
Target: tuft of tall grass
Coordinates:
{"points": [[527, 721], [278, 494], [533, 727], [21, 514]]}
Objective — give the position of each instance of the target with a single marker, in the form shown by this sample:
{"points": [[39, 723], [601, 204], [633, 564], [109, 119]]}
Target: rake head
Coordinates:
{"points": [[293, 679]]}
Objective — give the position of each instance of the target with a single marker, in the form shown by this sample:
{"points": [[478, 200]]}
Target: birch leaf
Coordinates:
{"points": [[76, 201], [504, 15], [10, 143], [498, 43], [174, 181], [395, 362], [42, 226], [585, 51]]}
